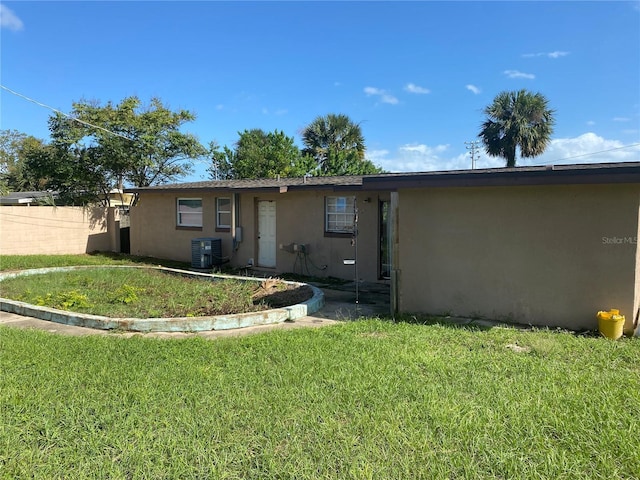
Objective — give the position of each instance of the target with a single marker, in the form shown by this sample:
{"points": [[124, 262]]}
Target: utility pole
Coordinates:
{"points": [[473, 148]]}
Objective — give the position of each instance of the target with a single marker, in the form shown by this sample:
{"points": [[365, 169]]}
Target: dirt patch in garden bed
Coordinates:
{"points": [[277, 294]]}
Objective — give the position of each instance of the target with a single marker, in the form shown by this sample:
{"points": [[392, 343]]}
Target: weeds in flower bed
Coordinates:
{"points": [[139, 292]]}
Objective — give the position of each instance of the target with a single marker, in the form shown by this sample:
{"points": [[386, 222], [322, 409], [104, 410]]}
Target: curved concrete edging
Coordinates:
{"points": [[180, 324]]}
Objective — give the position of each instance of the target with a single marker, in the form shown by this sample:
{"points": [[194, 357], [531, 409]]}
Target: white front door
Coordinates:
{"points": [[267, 233]]}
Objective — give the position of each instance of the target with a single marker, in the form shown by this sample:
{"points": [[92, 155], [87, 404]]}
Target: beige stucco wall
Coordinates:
{"points": [[299, 219], [547, 255], [154, 231], [636, 303], [53, 230]]}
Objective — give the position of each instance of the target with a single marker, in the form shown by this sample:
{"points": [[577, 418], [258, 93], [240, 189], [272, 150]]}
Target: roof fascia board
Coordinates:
{"points": [[550, 175], [629, 174], [274, 189]]}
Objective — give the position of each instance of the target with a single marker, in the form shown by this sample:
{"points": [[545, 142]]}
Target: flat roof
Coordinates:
{"points": [[20, 198], [273, 184], [588, 173]]}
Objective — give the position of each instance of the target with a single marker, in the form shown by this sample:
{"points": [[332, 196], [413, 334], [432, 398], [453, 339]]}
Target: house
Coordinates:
{"points": [[548, 245], [28, 198], [117, 198], [304, 225]]}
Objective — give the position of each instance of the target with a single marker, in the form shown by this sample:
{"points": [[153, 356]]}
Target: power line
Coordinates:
{"points": [[549, 162], [62, 113], [472, 146], [594, 153]]}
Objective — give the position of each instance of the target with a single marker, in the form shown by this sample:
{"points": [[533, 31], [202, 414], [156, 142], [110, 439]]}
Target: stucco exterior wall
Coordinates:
{"points": [[636, 303], [544, 255], [53, 230], [299, 219], [154, 231]]}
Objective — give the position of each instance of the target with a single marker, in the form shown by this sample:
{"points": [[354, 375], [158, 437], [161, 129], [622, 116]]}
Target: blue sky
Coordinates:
{"points": [[415, 75]]}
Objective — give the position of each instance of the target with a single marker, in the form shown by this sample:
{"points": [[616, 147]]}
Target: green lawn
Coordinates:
{"points": [[367, 399], [22, 262]]}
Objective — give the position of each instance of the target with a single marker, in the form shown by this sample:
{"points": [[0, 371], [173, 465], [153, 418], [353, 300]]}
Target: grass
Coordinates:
{"points": [[361, 400], [23, 262], [137, 293], [133, 292]]}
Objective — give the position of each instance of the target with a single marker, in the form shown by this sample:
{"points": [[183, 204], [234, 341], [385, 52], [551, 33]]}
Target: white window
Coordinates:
{"points": [[223, 212], [189, 212], [340, 214]]}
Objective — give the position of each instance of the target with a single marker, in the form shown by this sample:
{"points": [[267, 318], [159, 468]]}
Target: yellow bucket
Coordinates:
{"points": [[611, 324]]}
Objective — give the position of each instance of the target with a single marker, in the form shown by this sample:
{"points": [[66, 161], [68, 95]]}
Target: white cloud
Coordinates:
{"points": [[416, 157], [266, 111], [473, 89], [591, 123], [413, 88], [621, 119], [586, 148], [378, 157], [384, 96], [555, 54], [518, 74], [424, 149], [9, 20]]}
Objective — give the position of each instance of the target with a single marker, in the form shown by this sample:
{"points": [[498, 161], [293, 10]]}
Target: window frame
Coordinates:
{"points": [[345, 218], [179, 222], [219, 226]]}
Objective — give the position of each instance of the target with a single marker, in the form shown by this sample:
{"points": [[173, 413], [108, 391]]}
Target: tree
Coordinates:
{"points": [[517, 120], [15, 148], [258, 154], [10, 143], [76, 172], [222, 160], [346, 162], [337, 146], [148, 147], [99, 147]]}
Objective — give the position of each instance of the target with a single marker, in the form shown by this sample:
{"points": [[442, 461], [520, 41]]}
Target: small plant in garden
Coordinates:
{"points": [[64, 300], [126, 294], [25, 295]]}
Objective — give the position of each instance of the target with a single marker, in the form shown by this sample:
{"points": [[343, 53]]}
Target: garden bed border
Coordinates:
{"points": [[178, 324]]}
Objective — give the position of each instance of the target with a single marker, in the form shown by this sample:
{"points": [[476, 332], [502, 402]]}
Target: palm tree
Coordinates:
{"points": [[517, 119], [330, 135]]}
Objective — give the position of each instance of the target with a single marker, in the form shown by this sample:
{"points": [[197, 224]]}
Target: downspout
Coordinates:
{"points": [[236, 229], [635, 327], [395, 254]]}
